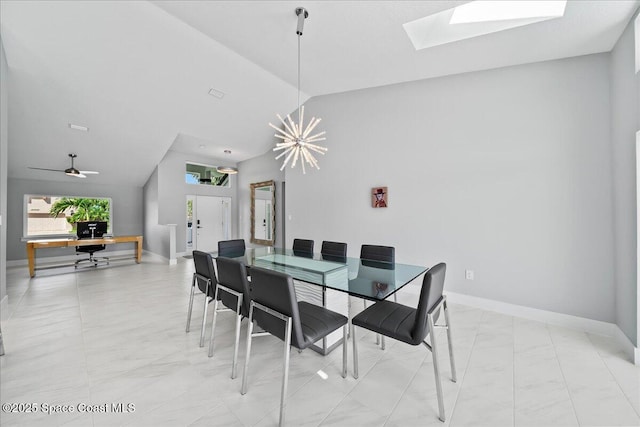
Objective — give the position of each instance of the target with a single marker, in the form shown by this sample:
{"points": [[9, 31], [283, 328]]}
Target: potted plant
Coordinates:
{"points": [[81, 209]]}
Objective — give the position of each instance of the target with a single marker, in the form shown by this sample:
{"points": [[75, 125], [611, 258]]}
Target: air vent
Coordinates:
{"points": [[216, 93]]}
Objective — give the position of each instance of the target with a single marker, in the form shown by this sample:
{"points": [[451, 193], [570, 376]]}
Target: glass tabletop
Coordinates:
{"points": [[367, 279]]}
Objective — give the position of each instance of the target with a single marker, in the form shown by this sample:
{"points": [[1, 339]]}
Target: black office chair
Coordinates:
{"points": [[275, 309], [91, 249], [94, 231], [334, 251], [303, 247], [233, 291], [231, 248], [205, 277], [411, 325]]}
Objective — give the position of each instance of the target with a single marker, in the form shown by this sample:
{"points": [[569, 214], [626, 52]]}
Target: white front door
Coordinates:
{"points": [[212, 222], [260, 230]]}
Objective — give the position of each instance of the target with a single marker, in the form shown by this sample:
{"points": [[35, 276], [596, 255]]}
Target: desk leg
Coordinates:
{"points": [[31, 256], [139, 250]]}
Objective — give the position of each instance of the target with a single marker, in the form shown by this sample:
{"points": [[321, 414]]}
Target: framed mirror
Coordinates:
{"points": [[263, 213]]}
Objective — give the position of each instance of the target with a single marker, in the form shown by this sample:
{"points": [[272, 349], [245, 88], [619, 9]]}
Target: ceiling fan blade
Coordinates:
{"points": [[45, 169], [90, 172], [78, 175]]}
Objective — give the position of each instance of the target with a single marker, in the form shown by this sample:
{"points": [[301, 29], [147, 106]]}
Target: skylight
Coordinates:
{"points": [[479, 18], [504, 10]]}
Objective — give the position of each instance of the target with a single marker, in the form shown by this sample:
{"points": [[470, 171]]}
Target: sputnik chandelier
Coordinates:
{"points": [[298, 142]]}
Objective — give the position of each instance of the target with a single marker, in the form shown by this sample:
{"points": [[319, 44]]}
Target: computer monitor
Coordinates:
{"points": [[91, 229]]}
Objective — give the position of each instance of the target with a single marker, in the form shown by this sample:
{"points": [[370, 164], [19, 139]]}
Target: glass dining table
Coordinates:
{"points": [[329, 281]]}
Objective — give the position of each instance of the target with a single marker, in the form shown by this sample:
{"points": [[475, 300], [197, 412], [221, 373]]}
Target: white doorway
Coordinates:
{"points": [[208, 221], [263, 218]]}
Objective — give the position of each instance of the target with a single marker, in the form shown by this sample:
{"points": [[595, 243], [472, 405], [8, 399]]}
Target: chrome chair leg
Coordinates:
{"points": [[285, 376], [213, 322], [234, 367], [193, 289], [349, 315], [382, 342], [204, 316], [450, 342], [355, 351], [345, 334], [436, 369], [245, 372]]}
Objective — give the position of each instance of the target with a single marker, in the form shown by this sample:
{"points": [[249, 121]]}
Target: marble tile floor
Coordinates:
{"points": [[116, 335]]}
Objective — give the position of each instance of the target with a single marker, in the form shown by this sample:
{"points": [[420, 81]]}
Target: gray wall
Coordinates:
{"points": [[4, 143], [156, 236], [506, 172], [259, 169], [173, 191], [127, 209], [625, 122]]}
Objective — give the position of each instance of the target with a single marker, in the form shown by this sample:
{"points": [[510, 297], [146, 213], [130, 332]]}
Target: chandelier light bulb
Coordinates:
{"points": [[297, 141]]}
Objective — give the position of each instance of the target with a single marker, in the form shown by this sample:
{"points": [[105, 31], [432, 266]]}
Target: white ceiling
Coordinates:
{"points": [[137, 73]]}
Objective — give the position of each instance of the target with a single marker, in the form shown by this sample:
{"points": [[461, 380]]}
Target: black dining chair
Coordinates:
{"points": [[412, 325], [379, 257], [205, 277], [299, 324], [231, 248], [233, 291], [303, 247], [378, 253], [334, 251]]}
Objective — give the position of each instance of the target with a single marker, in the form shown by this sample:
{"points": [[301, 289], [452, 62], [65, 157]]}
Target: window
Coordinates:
{"points": [[58, 215], [206, 175], [193, 177]]}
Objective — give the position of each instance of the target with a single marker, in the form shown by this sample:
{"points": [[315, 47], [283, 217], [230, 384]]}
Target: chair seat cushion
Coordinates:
{"points": [[317, 322], [390, 319]]}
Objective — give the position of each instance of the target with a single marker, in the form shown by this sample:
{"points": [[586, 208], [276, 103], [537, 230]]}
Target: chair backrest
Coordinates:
{"points": [[91, 229], [303, 245], [334, 249], [430, 296], [231, 248], [233, 274], [204, 267], [275, 290], [378, 253]]}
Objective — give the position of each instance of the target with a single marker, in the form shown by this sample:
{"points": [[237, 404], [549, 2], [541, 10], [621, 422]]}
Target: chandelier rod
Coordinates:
{"points": [[299, 35], [302, 14]]}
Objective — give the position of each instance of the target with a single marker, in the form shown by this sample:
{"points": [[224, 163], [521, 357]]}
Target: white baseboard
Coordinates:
{"points": [[155, 256], [558, 319], [631, 350]]}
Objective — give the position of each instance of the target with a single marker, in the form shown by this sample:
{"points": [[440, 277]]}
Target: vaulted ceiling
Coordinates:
{"points": [[138, 73]]}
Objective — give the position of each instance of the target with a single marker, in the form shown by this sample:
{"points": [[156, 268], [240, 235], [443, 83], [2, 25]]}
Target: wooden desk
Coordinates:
{"points": [[32, 245]]}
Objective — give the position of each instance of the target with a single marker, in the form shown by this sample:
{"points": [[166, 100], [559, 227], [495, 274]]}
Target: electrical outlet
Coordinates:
{"points": [[468, 274]]}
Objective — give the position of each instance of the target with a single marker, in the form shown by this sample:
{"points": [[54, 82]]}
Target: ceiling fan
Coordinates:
{"points": [[72, 171]]}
